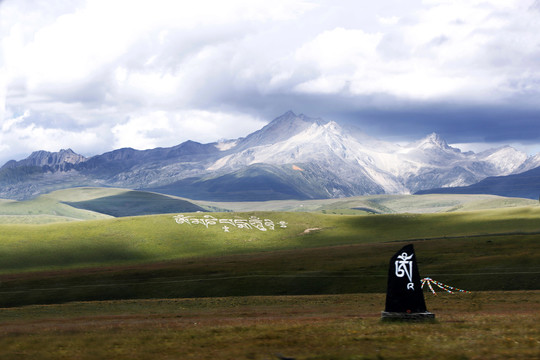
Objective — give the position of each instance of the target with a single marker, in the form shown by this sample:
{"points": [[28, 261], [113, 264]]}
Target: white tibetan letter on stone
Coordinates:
{"points": [[404, 267]]}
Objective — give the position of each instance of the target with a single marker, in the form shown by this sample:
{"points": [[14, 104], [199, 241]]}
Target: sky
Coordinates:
{"points": [[97, 75]]}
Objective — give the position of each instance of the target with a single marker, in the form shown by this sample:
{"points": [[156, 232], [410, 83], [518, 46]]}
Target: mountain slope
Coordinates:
{"points": [[260, 182]]}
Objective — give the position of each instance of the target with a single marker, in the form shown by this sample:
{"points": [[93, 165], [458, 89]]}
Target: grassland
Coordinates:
{"points": [[485, 325], [87, 203], [42, 210], [159, 237], [147, 287], [380, 204], [90, 204], [155, 257]]}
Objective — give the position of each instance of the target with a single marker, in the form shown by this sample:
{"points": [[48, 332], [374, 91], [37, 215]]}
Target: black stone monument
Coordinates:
{"points": [[404, 296]]}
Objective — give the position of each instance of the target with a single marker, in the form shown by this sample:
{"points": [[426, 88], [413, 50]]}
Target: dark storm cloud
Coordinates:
{"points": [[490, 124], [386, 116]]}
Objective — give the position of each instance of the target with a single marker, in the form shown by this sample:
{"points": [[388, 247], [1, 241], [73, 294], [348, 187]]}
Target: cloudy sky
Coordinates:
{"points": [[102, 74]]}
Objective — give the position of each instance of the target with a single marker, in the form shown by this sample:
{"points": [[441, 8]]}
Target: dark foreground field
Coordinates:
{"points": [[480, 325]]}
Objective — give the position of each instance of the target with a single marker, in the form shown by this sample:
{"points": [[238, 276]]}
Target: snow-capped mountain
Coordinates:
{"points": [[427, 163], [322, 143], [294, 156], [506, 159]]}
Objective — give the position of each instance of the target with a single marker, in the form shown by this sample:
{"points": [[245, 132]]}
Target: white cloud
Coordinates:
{"points": [[160, 128], [149, 40], [90, 65], [391, 20], [134, 72], [470, 51], [339, 48], [21, 135], [9, 124]]}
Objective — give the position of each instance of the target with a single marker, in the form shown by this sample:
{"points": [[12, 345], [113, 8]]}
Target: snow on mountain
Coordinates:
{"points": [[224, 145], [532, 162], [505, 159], [280, 129], [298, 140], [429, 162]]}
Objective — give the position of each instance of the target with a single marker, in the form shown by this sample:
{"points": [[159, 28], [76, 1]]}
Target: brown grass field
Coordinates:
{"points": [[479, 325]]}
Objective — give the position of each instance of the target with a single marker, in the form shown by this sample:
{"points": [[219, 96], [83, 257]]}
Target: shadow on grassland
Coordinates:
{"points": [[135, 203]]}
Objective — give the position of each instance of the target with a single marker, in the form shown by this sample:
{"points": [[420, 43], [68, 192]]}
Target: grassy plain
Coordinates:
{"points": [[155, 257], [92, 203], [380, 204], [159, 237], [147, 287], [483, 325]]}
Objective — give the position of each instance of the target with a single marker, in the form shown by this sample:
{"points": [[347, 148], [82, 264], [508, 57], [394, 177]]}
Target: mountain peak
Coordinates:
{"points": [[281, 128], [431, 141], [289, 113], [59, 160], [505, 158], [291, 117]]}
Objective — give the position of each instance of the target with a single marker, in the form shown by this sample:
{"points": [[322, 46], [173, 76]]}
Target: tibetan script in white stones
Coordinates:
{"points": [[253, 223], [404, 267]]}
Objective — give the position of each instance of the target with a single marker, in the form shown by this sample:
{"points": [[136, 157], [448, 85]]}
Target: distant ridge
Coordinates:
{"points": [[62, 160], [523, 185]]}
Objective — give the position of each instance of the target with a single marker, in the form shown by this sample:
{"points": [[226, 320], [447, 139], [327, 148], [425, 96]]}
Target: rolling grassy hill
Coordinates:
{"points": [[476, 242], [87, 203], [159, 237], [43, 209], [380, 204], [134, 203], [90, 204], [155, 256]]}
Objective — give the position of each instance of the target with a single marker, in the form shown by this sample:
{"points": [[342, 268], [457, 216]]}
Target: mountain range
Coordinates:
{"points": [[292, 157]]}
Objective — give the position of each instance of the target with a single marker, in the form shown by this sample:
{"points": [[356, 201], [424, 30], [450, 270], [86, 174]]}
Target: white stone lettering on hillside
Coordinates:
{"points": [[253, 223]]}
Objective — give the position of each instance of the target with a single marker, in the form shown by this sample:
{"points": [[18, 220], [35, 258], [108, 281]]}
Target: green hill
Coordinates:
{"points": [[473, 242], [43, 209], [134, 203], [160, 237], [90, 204]]}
